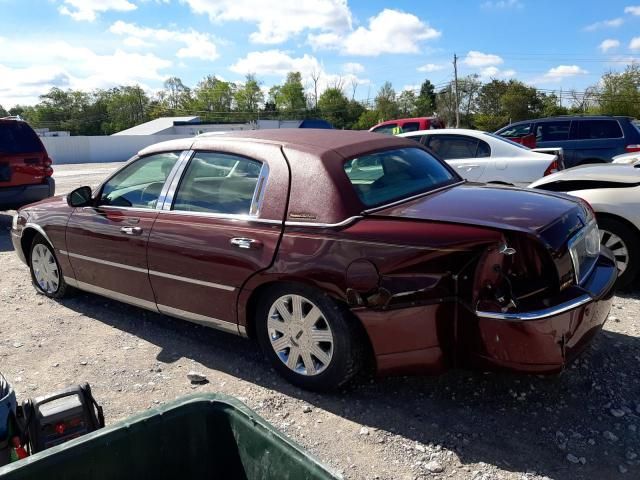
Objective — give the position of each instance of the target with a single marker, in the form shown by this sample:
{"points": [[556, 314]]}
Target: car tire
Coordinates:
{"points": [[46, 274], [321, 354], [624, 242]]}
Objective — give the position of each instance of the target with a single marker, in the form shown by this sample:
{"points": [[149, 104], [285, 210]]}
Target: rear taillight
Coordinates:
{"points": [[553, 167], [632, 148], [47, 162], [48, 171]]}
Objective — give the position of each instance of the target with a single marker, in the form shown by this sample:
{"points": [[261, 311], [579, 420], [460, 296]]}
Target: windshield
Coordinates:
{"points": [[510, 142], [382, 177]]}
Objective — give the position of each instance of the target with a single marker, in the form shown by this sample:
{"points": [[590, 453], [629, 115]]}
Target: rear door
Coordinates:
{"points": [[469, 156], [107, 243], [599, 139], [221, 226], [23, 159]]}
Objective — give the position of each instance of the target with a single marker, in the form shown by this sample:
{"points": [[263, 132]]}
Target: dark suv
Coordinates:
{"points": [[584, 139], [25, 167]]}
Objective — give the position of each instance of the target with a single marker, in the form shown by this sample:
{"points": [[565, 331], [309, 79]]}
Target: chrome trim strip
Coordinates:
{"points": [[182, 163], [185, 154], [323, 225], [419, 195], [192, 280], [105, 262], [537, 314], [258, 193], [201, 319], [138, 302], [150, 272], [229, 216]]}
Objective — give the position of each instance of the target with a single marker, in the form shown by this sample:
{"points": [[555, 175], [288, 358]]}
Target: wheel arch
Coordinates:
{"points": [[618, 218], [28, 234]]}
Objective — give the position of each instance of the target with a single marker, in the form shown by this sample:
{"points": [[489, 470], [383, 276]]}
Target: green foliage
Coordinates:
{"points": [[426, 104], [333, 106], [249, 96], [619, 93], [3, 112], [366, 120], [125, 107], [385, 102], [407, 103]]}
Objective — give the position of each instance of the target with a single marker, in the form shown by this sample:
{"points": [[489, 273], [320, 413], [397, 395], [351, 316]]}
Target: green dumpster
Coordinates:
{"points": [[201, 437]]}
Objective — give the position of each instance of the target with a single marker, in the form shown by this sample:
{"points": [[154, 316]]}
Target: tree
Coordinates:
{"points": [[367, 119], [3, 112], [385, 102], [292, 98], [176, 95], [407, 103], [426, 100], [315, 78], [354, 111], [249, 96], [213, 95], [333, 106], [125, 106], [619, 93]]}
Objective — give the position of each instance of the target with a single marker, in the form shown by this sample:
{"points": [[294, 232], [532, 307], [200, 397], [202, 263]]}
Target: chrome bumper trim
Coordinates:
{"points": [[537, 314]]}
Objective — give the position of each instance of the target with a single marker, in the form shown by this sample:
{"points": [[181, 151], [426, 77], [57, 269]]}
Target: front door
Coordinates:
{"points": [[213, 238], [107, 242]]}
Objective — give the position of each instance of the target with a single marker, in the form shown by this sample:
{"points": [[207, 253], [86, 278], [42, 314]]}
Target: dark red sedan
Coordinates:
{"points": [[332, 248]]}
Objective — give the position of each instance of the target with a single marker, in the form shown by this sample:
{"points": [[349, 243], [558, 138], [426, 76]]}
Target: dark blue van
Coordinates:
{"points": [[585, 139]]}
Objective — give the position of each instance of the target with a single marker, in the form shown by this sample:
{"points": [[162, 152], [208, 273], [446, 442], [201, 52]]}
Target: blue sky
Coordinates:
{"points": [[87, 44]]}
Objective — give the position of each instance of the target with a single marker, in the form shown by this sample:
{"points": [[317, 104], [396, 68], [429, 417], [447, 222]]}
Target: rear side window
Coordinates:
{"points": [[218, 183], [598, 129], [553, 131], [382, 177], [450, 147], [18, 137], [410, 127], [516, 131], [388, 129]]}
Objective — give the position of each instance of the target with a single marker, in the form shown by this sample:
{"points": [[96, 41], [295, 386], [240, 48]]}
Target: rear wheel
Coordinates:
{"points": [[308, 337], [46, 274], [624, 242]]}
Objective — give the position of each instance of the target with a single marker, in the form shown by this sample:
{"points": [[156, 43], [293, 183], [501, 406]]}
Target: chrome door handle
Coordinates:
{"points": [[242, 242], [468, 165], [131, 230]]}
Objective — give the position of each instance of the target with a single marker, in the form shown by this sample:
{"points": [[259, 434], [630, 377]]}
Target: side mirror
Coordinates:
{"points": [[80, 197]]}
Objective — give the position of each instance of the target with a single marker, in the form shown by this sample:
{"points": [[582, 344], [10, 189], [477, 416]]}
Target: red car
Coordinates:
{"points": [[404, 125], [25, 167], [332, 248]]}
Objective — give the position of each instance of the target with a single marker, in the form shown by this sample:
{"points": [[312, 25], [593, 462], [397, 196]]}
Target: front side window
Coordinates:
{"points": [[218, 183], [139, 184], [598, 129], [553, 131], [381, 177], [410, 127]]}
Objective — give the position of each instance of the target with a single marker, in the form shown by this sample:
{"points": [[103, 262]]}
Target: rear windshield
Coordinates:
{"points": [[18, 137], [391, 175]]}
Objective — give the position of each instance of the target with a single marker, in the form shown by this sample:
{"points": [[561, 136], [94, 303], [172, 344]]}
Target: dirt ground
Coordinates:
{"points": [[581, 424]]}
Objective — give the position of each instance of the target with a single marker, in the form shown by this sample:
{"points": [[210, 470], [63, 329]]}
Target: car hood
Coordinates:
{"points": [[503, 208], [610, 172]]}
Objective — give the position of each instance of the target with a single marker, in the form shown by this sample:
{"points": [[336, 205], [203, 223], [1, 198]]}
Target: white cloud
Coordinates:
{"points": [[634, 44], [431, 67], [609, 44], [613, 23], [391, 31], [633, 10], [195, 44], [479, 59], [353, 67], [136, 42], [561, 72], [278, 63], [492, 72], [87, 10], [69, 66], [278, 20], [502, 4]]}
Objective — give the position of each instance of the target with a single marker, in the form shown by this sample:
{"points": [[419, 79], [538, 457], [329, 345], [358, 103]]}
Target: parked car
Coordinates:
{"points": [[613, 191], [402, 125], [25, 167], [485, 157], [584, 139], [335, 249]]}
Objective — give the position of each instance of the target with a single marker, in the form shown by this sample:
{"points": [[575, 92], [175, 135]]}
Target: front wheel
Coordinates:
{"points": [[625, 245], [308, 337], [46, 274]]}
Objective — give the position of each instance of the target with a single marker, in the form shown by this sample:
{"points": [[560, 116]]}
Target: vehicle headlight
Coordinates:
{"points": [[14, 223], [584, 248]]}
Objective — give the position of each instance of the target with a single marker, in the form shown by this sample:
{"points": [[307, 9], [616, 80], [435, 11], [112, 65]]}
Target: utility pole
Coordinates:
{"points": [[455, 86]]}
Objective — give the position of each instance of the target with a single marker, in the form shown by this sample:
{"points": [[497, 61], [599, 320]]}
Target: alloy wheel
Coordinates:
{"points": [[620, 251], [45, 269], [300, 335]]}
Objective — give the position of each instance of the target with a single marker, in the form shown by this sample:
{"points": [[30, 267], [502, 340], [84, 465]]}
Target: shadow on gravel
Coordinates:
{"points": [[5, 235], [519, 423]]}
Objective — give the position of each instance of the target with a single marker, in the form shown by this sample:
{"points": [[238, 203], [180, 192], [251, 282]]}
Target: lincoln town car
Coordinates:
{"points": [[337, 251]]}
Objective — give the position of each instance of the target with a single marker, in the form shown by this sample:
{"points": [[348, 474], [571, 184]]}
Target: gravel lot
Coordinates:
{"points": [[464, 425]]}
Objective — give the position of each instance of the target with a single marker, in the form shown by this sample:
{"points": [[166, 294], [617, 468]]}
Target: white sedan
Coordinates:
{"points": [[613, 191], [485, 157]]}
